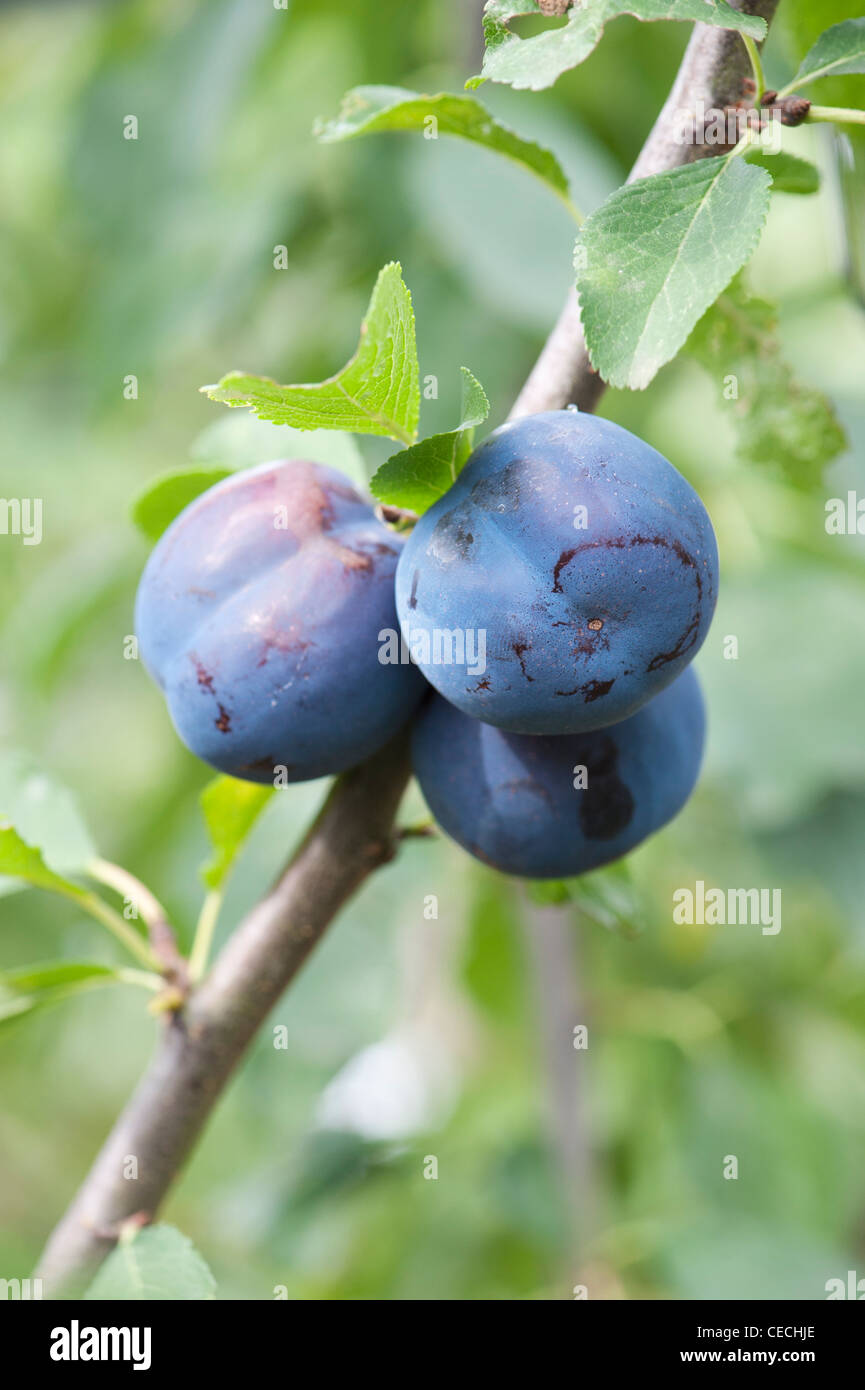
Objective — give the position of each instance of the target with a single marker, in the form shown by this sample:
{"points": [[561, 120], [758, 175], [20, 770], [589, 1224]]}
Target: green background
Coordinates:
{"points": [[406, 1036]]}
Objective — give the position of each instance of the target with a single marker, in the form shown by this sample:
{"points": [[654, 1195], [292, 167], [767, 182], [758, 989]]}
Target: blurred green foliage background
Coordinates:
{"points": [[410, 1036]]}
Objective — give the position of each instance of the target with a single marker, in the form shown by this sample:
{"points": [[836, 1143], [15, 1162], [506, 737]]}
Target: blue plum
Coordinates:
{"points": [[259, 615], [576, 560], [521, 803]]}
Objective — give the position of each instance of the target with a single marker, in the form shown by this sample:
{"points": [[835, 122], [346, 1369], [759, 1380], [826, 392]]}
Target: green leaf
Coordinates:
{"points": [[155, 1264], [656, 254], [788, 172], [538, 61], [37, 986], [22, 861], [45, 815], [779, 421], [366, 110], [377, 392], [230, 809], [417, 477], [840, 49], [154, 509]]}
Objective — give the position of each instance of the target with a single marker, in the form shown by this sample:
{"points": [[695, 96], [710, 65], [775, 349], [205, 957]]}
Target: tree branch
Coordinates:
{"points": [[199, 1048], [352, 836], [713, 72]]}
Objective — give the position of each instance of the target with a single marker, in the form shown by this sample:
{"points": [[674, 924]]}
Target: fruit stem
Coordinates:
{"points": [[130, 938], [162, 938], [756, 65], [204, 930], [844, 115]]}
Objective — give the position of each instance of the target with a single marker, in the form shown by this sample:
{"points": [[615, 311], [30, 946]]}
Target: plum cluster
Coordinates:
{"points": [[553, 599]]}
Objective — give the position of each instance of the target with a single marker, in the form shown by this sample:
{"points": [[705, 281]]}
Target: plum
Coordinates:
{"points": [[554, 806], [259, 615], [576, 559]]}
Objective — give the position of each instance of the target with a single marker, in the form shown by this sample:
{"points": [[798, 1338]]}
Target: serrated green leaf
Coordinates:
{"points": [[36, 986], [156, 1264], [538, 61], [779, 422], [22, 861], [657, 253], [839, 50], [230, 808], [45, 816], [788, 172], [366, 110], [418, 476], [377, 391], [154, 509]]}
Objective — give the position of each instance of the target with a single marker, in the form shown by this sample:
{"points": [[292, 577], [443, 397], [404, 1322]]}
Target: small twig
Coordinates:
{"points": [[421, 830], [163, 941], [126, 935], [199, 1049], [842, 115], [200, 953], [399, 517], [790, 111], [756, 66]]}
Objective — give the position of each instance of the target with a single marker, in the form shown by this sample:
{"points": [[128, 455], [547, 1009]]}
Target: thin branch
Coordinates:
{"points": [[206, 926], [126, 935], [713, 73], [553, 945], [162, 939], [756, 67], [199, 1048], [353, 835]]}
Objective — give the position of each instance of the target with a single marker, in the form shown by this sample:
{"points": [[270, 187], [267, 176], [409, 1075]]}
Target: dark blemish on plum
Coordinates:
{"points": [[267, 764], [205, 679], [501, 492], [451, 540], [278, 641], [591, 690], [606, 804], [371, 548], [519, 649], [564, 559], [322, 495], [412, 603], [589, 643], [623, 543], [481, 685], [595, 624], [684, 644], [223, 723]]}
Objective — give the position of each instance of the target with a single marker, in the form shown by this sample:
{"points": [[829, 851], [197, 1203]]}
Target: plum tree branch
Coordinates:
{"points": [[199, 1048], [353, 835], [712, 74]]}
